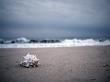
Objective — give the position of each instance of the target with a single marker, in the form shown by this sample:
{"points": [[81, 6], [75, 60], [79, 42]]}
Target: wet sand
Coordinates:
{"points": [[72, 64]]}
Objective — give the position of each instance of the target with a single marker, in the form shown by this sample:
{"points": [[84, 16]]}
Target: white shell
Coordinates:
{"points": [[30, 60]]}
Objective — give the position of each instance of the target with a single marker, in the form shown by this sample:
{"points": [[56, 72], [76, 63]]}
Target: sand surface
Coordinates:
{"points": [[74, 64]]}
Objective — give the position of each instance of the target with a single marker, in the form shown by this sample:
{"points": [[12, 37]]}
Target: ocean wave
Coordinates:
{"points": [[25, 40], [25, 43]]}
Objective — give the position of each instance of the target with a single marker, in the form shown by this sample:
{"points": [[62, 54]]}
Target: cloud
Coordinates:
{"points": [[63, 11]]}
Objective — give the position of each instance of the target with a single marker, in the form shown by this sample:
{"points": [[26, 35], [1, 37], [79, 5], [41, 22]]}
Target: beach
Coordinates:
{"points": [[64, 64]]}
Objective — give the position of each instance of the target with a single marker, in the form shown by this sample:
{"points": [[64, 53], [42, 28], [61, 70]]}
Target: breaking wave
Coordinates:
{"points": [[26, 43]]}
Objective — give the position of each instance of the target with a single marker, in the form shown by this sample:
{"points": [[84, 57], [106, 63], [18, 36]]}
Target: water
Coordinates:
{"points": [[27, 43]]}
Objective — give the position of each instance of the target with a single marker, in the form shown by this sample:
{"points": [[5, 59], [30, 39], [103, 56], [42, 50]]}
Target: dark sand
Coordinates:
{"points": [[75, 64]]}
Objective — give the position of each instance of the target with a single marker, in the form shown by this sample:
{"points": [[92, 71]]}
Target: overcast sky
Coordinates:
{"points": [[54, 18]]}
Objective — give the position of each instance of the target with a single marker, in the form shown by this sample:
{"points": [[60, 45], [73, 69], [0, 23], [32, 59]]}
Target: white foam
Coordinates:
{"points": [[22, 39], [64, 43]]}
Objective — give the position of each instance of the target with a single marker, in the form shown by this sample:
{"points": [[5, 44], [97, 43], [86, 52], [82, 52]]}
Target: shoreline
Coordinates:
{"points": [[55, 47], [26, 46]]}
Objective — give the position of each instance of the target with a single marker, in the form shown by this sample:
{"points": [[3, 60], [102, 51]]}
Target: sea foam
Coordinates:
{"points": [[63, 43]]}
